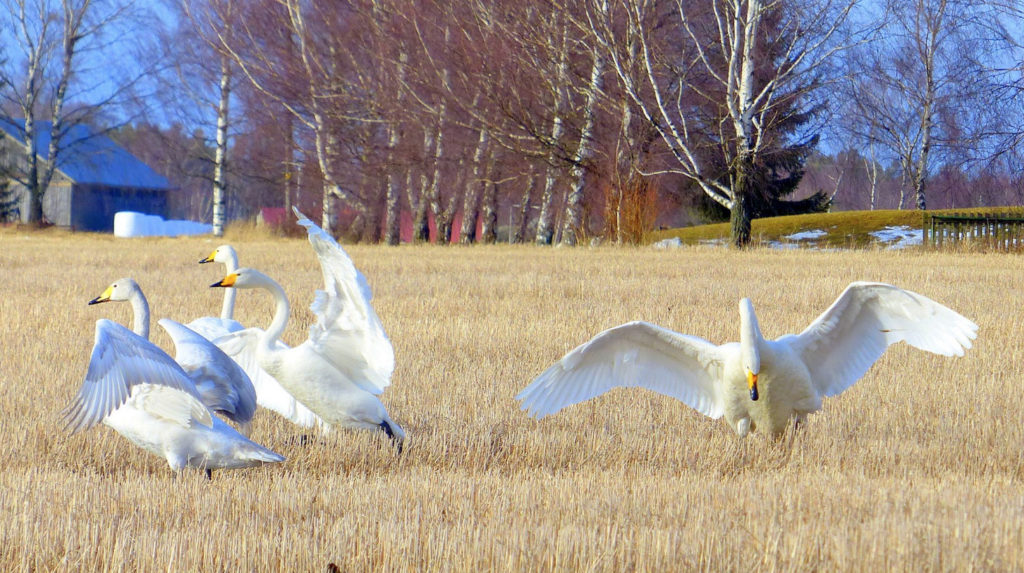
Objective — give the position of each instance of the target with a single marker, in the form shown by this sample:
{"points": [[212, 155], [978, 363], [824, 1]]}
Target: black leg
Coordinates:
{"points": [[209, 474], [391, 434]]}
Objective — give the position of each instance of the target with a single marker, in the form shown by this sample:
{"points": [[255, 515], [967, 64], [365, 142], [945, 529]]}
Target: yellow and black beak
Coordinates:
{"points": [[105, 297], [228, 281], [209, 258], [752, 383]]}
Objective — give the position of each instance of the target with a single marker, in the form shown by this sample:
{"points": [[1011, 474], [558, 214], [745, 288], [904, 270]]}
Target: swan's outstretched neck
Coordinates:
{"points": [[140, 312], [281, 312], [750, 343], [227, 308]]}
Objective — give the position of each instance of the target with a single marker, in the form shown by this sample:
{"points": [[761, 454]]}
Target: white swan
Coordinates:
{"points": [[222, 385], [210, 327], [347, 360], [135, 388], [269, 393], [757, 383]]}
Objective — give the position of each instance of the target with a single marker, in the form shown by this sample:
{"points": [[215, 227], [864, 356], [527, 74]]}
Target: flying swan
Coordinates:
{"points": [[269, 393], [222, 385], [346, 362], [135, 388], [756, 384]]}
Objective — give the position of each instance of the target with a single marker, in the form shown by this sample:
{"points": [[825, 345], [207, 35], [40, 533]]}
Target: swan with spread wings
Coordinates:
{"points": [[756, 384], [346, 362]]}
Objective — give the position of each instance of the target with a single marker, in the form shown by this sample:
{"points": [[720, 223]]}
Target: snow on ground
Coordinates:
{"points": [[804, 235], [132, 224], [892, 237], [899, 237]]}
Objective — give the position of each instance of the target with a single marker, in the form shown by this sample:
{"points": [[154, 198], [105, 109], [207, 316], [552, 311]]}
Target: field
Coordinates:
{"points": [[917, 467]]}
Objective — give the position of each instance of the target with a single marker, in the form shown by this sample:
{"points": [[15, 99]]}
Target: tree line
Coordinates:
{"points": [[556, 120]]}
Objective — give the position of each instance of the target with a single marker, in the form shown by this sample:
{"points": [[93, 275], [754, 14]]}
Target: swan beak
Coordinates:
{"points": [[209, 258], [752, 383], [228, 281], [105, 297]]}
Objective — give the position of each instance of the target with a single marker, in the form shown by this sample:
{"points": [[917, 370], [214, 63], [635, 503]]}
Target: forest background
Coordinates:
{"points": [[552, 121]]}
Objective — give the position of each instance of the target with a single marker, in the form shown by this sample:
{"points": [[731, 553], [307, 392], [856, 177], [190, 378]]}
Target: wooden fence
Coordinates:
{"points": [[994, 231]]}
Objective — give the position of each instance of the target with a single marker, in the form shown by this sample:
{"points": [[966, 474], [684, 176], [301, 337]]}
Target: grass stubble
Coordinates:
{"points": [[917, 467]]}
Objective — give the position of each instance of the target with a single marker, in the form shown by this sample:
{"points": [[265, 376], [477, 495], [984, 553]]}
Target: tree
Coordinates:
{"points": [[55, 79], [716, 82]]}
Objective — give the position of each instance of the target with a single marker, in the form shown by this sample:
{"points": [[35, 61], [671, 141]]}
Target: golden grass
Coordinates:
{"points": [[917, 467]]}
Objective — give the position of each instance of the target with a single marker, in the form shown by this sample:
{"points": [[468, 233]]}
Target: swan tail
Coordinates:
{"points": [[255, 453]]}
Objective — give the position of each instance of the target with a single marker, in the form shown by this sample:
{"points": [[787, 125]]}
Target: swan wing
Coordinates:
{"points": [[210, 327], [635, 354], [120, 361], [347, 331], [172, 405], [840, 346], [222, 384], [241, 347]]}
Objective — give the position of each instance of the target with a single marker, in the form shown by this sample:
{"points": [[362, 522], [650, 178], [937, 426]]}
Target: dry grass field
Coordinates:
{"points": [[917, 467]]}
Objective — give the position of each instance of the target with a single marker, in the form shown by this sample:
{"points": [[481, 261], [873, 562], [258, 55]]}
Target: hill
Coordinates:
{"points": [[842, 229]]}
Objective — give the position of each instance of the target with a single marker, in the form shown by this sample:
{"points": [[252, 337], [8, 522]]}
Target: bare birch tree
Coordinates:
{"points": [[751, 59], [56, 40]]}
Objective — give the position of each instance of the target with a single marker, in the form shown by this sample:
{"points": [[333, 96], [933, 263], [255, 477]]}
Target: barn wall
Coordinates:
{"points": [[93, 208]]}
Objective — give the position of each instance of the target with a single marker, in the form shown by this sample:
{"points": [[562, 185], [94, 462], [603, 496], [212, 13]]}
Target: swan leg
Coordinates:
{"points": [[384, 425], [209, 474]]}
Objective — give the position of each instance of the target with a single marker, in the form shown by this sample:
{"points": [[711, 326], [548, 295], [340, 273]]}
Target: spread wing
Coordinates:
{"points": [[120, 361], [241, 347], [170, 405], [635, 354], [842, 344], [347, 331], [222, 384]]}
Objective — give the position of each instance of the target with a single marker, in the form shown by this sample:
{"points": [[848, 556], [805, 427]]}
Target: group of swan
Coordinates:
{"points": [[166, 406], [334, 378], [756, 383]]}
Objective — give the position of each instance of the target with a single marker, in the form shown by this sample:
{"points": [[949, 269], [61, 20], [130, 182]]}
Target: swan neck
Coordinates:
{"points": [[227, 309], [281, 313], [140, 312], [750, 335]]}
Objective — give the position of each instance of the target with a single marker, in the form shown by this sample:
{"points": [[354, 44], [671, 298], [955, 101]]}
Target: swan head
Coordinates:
{"points": [[750, 339], [244, 278], [224, 254], [122, 289]]}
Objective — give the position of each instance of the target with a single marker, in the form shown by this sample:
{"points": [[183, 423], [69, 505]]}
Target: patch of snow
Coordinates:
{"points": [[132, 224], [899, 237], [673, 243], [805, 235]]}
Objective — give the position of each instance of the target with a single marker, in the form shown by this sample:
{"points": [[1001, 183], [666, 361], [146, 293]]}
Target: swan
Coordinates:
{"points": [[222, 385], [269, 393], [210, 327], [346, 362], [135, 388], [756, 383]]}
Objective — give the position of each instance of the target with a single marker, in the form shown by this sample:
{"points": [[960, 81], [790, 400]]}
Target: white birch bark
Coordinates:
{"points": [[221, 153], [584, 151]]}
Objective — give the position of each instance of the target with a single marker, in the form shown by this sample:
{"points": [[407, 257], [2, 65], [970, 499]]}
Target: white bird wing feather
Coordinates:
{"points": [[121, 360], [635, 354], [211, 327], [222, 383], [241, 347], [171, 405], [840, 346], [347, 332]]}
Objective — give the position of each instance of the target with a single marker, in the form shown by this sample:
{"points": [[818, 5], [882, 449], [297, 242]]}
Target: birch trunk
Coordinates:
{"points": [[392, 205], [545, 222], [471, 199], [220, 156], [584, 151]]}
